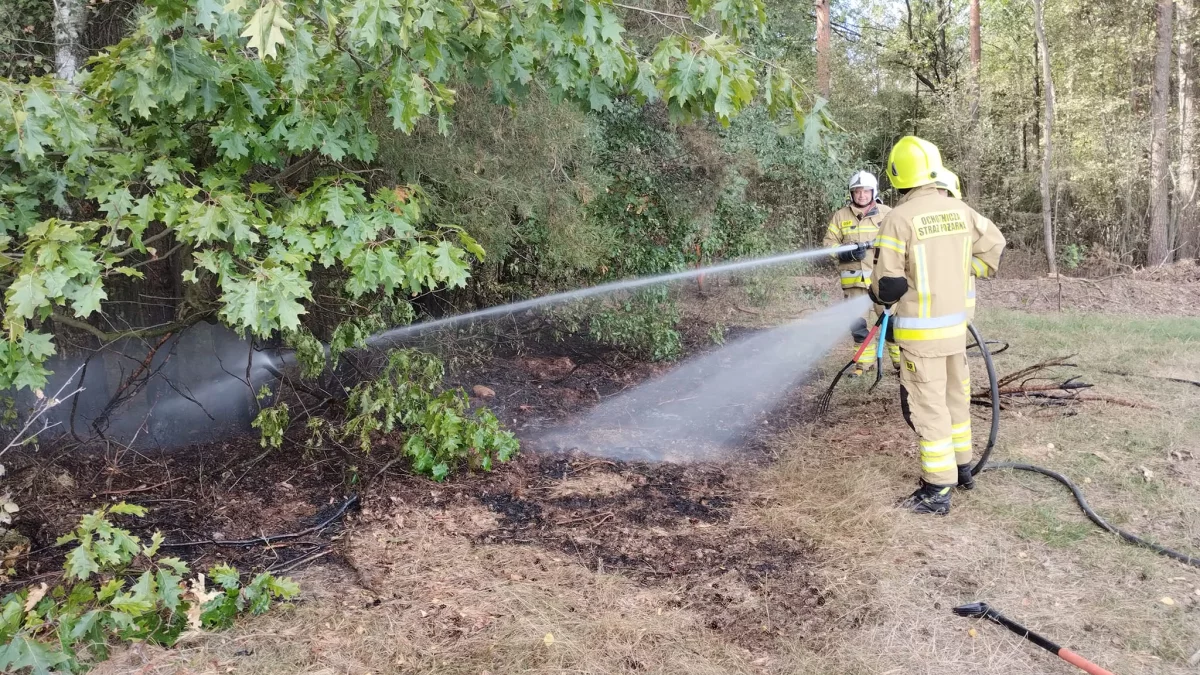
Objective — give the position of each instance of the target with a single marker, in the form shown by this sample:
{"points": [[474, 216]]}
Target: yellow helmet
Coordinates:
{"points": [[948, 181], [913, 162]]}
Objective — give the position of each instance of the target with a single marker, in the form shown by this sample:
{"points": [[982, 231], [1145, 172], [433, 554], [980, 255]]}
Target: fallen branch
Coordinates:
{"points": [[275, 537], [1031, 388], [1097, 398]]}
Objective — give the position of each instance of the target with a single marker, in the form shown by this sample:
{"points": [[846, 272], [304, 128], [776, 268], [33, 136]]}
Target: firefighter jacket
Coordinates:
{"points": [[852, 225], [928, 249]]}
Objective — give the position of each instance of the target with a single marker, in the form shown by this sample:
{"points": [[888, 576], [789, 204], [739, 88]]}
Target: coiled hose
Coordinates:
{"points": [[982, 465]]}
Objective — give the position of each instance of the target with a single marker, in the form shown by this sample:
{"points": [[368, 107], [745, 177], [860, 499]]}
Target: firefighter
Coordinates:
{"points": [[857, 223], [926, 250], [949, 185]]}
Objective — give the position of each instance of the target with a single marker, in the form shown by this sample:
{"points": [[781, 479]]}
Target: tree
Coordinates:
{"points": [[973, 173], [1047, 137], [1187, 220], [232, 143], [1160, 191], [70, 16], [823, 30]]}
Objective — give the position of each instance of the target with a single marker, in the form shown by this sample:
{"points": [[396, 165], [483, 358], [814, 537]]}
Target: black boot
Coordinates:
{"points": [[965, 480], [928, 498]]}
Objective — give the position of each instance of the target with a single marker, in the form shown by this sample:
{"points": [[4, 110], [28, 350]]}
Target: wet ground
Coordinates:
{"points": [[657, 523]]}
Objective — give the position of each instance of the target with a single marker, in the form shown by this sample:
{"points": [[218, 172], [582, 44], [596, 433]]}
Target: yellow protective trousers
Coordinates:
{"points": [[872, 315], [935, 394]]}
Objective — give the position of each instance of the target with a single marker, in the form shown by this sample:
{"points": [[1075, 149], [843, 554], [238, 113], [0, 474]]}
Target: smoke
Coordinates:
{"points": [[701, 408]]}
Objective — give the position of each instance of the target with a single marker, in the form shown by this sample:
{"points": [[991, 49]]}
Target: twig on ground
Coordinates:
{"points": [[268, 539], [296, 563], [142, 488]]}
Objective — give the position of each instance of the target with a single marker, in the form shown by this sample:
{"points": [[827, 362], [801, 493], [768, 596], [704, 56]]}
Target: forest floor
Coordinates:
{"points": [[789, 557]]}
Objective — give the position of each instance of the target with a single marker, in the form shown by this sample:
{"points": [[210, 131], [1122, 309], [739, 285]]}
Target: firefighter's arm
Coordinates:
{"points": [[833, 235], [987, 247], [889, 283]]}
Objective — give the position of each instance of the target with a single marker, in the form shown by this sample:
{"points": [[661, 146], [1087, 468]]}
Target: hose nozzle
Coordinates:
{"points": [[975, 610]]}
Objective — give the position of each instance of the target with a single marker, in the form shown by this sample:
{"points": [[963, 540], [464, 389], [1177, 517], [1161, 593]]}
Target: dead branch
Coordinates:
{"points": [[1098, 398], [1026, 373], [275, 537]]}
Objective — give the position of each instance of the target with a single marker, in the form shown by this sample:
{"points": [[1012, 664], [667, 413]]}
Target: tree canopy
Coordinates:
{"points": [[193, 129]]}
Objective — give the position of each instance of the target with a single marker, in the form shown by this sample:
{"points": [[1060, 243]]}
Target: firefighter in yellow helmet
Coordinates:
{"points": [[926, 250], [857, 223]]}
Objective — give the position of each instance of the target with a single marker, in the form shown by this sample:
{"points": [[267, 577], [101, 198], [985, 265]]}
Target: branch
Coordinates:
{"points": [[44, 406], [153, 331], [150, 240]]}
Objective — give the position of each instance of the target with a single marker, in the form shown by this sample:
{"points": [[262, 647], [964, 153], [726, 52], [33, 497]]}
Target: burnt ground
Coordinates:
{"points": [[659, 524]]}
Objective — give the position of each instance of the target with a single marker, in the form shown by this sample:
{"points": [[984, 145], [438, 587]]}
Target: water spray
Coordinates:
{"points": [[172, 400], [707, 406], [387, 337]]}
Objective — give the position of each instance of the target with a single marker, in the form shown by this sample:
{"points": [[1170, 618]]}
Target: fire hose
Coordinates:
{"points": [[993, 433], [981, 609]]}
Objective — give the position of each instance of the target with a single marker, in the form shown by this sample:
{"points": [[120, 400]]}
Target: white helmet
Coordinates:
{"points": [[865, 179]]}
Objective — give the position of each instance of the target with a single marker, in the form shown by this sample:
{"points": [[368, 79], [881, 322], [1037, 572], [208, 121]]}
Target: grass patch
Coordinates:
{"points": [[1045, 523]]}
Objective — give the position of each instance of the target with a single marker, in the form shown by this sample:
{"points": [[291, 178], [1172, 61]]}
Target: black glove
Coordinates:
{"points": [[875, 299], [856, 254]]}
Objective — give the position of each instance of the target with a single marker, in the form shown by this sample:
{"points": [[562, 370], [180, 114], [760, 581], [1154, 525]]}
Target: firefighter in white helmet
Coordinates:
{"points": [[948, 184], [857, 223], [927, 249]]}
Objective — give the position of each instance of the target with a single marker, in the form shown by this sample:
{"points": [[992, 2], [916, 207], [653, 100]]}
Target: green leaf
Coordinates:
{"points": [[610, 26], [449, 265], [160, 172], [151, 549], [207, 13], [224, 576], [26, 295], [80, 564], [37, 346], [109, 589], [265, 28], [299, 62], [21, 652], [283, 587], [331, 205], [170, 592], [86, 299], [127, 509]]}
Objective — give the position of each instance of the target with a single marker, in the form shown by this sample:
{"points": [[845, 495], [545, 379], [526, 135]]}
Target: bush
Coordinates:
{"points": [[69, 628]]}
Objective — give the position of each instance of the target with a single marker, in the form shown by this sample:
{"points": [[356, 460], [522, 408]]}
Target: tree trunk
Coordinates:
{"points": [[1160, 188], [1187, 222], [70, 17], [1037, 90], [1047, 136], [823, 48], [974, 142]]}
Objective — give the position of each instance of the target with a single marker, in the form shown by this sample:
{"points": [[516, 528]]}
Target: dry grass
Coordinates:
{"points": [[1018, 541], [429, 600]]}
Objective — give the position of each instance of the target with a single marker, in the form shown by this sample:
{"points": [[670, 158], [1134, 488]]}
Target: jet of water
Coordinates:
{"points": [[700, 409], [388, 337]]}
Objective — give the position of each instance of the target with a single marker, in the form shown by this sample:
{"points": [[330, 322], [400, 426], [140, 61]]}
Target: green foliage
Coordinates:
{"points": [[441, 431], [518, 180], [26, 38], [717, 333], [645, 324], [1072, 255], [271, 422], [119, 589], [234, 129]]}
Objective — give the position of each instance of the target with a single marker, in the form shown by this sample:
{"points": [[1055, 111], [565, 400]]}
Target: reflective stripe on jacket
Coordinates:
{"points": [[852, 225]]}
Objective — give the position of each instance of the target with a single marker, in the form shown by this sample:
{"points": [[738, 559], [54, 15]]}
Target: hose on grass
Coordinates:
{"points": [[982, 465]]}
